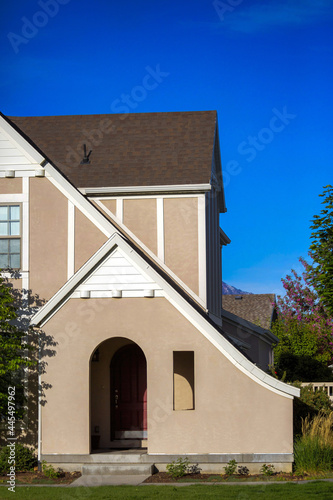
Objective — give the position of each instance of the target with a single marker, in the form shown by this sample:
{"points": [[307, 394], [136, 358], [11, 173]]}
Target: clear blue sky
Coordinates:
{"points": [[253, 61]]}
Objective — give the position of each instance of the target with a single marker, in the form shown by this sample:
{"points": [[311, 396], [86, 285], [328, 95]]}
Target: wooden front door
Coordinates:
{"points": [[129, 394]]}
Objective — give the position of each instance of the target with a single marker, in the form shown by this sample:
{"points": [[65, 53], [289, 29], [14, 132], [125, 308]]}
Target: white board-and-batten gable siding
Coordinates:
{"points": [[117, 274], [15, 159]]}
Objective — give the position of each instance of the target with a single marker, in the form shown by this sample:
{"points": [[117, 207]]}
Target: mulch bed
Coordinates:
{"points": [[164, 477], [36, 477]]}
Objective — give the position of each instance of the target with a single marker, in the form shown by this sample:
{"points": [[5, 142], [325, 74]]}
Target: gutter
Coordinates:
{"points": [[136, 190]]}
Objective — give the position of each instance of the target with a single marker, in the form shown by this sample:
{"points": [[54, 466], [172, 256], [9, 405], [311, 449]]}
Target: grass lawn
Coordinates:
{"points": [[316, 490]]}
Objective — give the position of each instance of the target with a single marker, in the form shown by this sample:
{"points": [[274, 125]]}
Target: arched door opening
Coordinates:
{"points": [[118, 395], [128, 382]]}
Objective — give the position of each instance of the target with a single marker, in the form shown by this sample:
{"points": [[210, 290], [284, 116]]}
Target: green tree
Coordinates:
{"points": [[321, 251], [304, 328], [15, 351]]}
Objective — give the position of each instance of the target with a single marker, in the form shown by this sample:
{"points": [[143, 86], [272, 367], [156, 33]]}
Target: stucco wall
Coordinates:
{"points": [[86, 246], [233, 413], [48, 237], [140, 218], [181, 239], [110, 205], [10, 186]]}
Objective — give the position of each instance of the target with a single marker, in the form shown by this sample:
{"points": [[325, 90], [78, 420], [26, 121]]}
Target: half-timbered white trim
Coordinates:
{"points": [[120, 209], [160, 228], [151, 254], [71, 240], [25, 233], [202, 271]]}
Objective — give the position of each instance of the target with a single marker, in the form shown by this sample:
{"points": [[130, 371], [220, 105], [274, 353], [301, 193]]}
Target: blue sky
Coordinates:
{"points": [[266, 67]]}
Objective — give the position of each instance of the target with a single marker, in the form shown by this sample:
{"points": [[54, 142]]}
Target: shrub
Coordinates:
{"points": [[49, 470], [178, 468], [193, 469], [243, 470], [310, 403], [267, 469], [25, 459], [231, 467], [313, 450]]}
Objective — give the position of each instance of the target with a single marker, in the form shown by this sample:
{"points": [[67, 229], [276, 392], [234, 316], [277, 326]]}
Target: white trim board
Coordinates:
{"points": [[71, 240], [178, 188], [160, 229], [202, 265], [195, 318], [25, 231]]}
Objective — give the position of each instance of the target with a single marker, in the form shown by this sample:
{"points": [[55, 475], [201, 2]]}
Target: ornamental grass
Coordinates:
{"points": [[313, 450]]}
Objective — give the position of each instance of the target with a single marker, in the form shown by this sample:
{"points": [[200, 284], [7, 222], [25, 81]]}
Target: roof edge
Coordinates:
{"points": [[252, 326]]}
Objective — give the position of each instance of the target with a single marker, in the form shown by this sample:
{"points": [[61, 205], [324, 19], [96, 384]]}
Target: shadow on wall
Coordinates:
{"points": [[28, 390]]}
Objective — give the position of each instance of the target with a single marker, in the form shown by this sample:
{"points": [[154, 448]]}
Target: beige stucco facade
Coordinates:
{"points": [[233, 413], [48, 211], [10, 186], [181, 239], [140, 217], [85, 247]]}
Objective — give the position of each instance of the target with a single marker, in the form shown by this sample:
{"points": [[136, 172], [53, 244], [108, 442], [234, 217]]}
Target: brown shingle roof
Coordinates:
{"points": [[256, 308], [140, 149]]}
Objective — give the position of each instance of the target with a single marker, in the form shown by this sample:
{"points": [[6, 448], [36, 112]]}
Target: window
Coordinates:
{"points": [[10, 232]]}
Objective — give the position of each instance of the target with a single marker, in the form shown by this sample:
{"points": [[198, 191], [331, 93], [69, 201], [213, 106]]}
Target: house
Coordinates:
{"points": [[247, 320], [113, 220]]}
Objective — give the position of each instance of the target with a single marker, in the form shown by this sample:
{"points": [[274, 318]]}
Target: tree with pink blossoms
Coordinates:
{"points": [[304, 327]]}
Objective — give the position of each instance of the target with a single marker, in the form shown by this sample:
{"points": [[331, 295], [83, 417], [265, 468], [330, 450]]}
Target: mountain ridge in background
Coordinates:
{"points": [[231, 290]]}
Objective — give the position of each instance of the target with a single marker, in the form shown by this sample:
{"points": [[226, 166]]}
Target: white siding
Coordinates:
{"points": [[117, 273], [12, 157]]}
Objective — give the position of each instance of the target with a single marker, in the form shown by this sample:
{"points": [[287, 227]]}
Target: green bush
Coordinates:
{"points": [[178, 468], [310, 403], [49, 470], [25, 459], [231, 467], [267, 469]]}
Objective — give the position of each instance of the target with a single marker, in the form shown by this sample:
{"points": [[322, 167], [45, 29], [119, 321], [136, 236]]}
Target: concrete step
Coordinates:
{"points": [[122, 458], [117, 469]]}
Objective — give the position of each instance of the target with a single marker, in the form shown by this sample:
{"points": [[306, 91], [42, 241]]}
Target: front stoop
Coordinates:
{"points": [[135, 462], [118, 469]]}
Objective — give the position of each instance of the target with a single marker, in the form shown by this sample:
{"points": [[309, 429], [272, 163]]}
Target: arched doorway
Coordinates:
{"points": [[128, 384]]}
